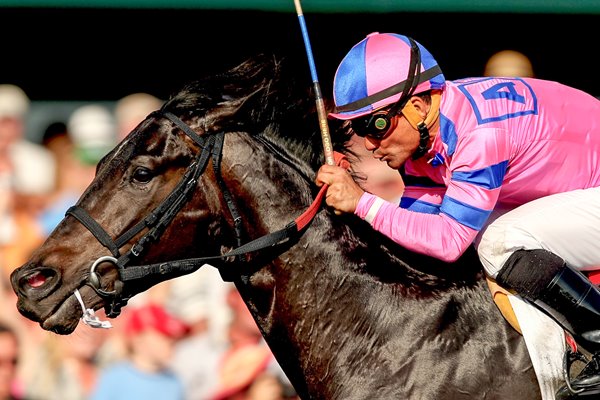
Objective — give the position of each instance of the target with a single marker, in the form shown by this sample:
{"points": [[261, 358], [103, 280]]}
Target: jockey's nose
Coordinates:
{"points": [[370, 143]]}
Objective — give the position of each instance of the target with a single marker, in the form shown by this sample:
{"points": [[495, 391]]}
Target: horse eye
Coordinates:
{"points": [[142, 175]]}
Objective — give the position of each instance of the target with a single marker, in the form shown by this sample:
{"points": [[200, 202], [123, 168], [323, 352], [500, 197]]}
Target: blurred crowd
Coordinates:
{"points": [[191, 338]]}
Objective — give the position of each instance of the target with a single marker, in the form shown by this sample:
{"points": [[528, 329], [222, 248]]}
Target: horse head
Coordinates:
{"points": [[155, 170]]}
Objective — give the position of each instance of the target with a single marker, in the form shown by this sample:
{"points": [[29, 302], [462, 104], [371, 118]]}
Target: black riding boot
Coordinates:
{"points": [[567, 296]]}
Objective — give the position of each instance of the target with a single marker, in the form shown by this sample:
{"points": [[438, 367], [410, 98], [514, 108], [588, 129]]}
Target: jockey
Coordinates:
{"points": [[511, 165]]}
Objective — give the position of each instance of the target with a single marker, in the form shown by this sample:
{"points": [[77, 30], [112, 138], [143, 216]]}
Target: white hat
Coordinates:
{"points": [[93, 131], [35, 168], [14, 103], [132, 109]]}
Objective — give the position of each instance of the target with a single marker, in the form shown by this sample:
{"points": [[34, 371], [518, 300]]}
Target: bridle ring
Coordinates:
{"points": [[95, 279]]}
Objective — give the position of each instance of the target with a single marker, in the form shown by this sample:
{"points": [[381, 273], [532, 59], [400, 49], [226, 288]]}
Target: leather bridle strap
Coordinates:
{"points": [[99, 233], [237, 219], [289, 232], [160, 217], [157, 221], [165, 212]]}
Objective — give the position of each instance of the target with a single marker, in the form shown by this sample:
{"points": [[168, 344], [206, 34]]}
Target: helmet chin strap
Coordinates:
{"points": [[422, 125]]}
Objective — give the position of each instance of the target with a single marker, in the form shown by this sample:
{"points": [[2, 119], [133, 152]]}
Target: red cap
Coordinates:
{"points": [[240, 367], [154, 316]]}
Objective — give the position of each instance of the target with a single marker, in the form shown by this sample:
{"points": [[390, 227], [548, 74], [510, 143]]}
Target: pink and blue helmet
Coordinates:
{"points": [[376, 73]]}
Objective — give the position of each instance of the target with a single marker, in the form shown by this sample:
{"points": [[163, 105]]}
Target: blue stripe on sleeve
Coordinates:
{"points": [[419, 206], [448, 134], [490, 177], [465, 214]]}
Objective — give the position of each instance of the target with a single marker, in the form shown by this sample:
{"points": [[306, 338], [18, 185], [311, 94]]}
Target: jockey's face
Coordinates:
{"points": [[401, 141], [397, 145]]}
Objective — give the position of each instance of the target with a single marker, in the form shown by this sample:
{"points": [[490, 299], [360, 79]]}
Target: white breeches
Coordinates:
{"points": [[566, 224]]}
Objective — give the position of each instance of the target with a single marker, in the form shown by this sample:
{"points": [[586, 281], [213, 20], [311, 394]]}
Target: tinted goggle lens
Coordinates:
{"points": [[375, 125]]}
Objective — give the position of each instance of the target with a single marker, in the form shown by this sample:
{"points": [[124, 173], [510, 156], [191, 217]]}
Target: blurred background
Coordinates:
{"points": [[102, 50], [77, 76]]}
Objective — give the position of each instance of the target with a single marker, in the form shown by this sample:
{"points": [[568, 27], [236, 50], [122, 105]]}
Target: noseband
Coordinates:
{"points": [[160, 218]]}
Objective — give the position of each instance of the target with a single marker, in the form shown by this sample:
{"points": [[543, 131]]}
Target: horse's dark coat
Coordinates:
{"points": [[348, 314]]}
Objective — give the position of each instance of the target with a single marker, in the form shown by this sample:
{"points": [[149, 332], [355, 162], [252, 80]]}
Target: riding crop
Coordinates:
{"points": [[323, 126]]}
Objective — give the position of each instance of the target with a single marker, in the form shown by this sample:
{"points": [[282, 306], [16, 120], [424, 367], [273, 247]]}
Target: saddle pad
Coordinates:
{"points": [[543, 337]]}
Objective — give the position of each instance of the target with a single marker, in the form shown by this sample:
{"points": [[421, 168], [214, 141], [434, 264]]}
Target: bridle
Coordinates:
{"points": [[159, 219]]}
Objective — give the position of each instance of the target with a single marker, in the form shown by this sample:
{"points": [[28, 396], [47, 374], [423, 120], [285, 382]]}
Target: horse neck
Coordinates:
{"points": [[272, 189], [342, 287], [339, 279]]}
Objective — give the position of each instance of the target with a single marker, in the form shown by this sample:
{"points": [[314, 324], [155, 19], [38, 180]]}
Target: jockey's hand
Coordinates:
{"points": [[343, 192]]}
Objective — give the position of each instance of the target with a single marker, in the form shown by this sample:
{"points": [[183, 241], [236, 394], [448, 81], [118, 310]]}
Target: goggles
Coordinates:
{"points": [[376, 125]]}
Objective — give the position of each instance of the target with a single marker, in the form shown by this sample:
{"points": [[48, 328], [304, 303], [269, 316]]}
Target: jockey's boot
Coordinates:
{"points": [[567, 296]]}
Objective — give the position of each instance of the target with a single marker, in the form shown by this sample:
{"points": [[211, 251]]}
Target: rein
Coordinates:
{"points": [[160, 218]]}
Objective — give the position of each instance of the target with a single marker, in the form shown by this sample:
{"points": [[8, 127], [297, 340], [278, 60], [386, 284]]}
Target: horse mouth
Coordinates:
{"points": [[39, 300], [64, 319]]}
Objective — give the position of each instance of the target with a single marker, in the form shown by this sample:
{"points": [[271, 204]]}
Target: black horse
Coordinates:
{"points": [[347, 313]]}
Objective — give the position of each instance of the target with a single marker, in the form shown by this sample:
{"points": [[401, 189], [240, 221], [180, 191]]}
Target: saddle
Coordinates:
{"points": [[500, 297]]}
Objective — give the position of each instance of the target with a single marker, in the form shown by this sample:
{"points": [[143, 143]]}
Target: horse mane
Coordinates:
{"points": [[276, 101]]}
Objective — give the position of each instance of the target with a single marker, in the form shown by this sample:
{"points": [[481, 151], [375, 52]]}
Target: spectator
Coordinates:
{"points": [[66, 367], [241, 366], [14, 105], [133, 109], [77, 146], [199, 300], [93, 131], [33, 179], [10, 387], [248, 369], [26, 180], [145, 374], [509, 63], [57, 141], [72, 175]]}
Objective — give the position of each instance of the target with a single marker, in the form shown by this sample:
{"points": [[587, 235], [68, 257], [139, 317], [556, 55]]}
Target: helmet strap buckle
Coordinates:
{"points": [[423, 141]]}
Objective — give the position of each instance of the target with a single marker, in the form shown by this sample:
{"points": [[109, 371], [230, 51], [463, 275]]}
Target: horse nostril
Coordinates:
{"points": [[36, 279]]}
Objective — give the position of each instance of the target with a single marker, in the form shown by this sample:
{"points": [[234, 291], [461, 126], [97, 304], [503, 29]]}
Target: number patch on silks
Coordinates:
{"points": [[516, 90]]}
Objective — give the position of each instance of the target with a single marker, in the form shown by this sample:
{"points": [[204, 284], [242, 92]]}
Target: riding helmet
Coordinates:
{"points": [[375, 73]]}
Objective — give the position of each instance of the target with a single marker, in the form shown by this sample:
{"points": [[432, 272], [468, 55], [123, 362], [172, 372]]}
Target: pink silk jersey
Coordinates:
{"points": [[502, 142]]}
